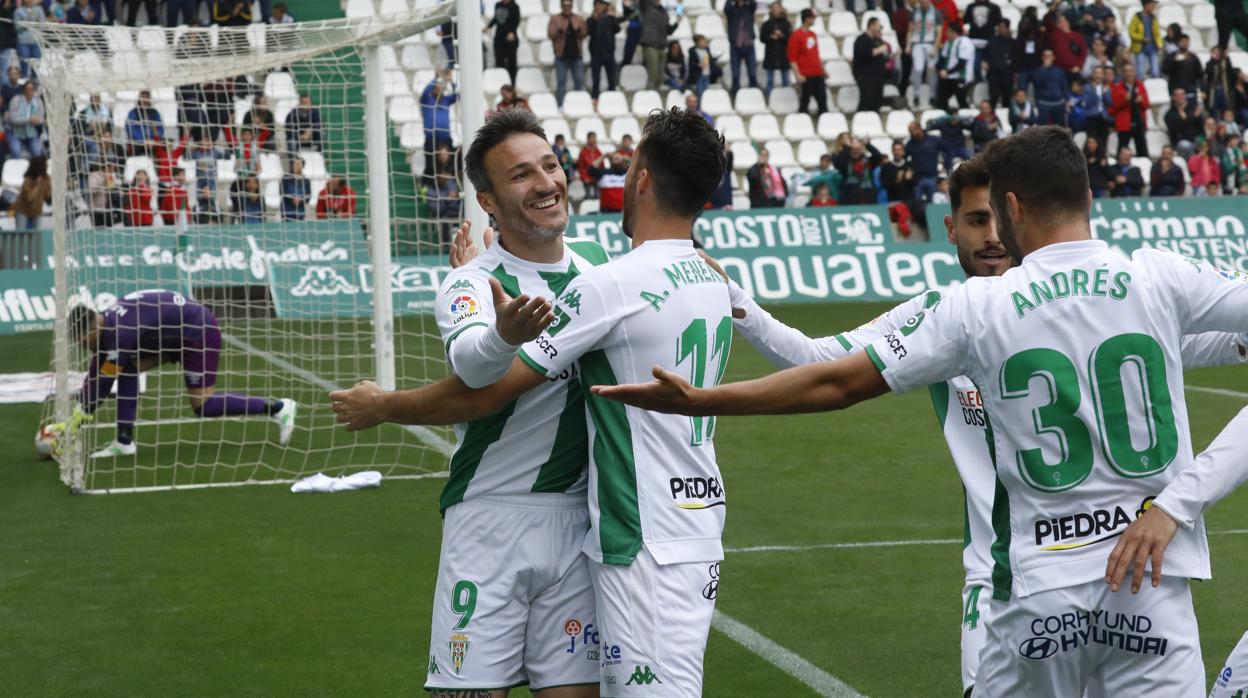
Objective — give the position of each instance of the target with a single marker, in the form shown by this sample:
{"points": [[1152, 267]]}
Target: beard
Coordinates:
{"points": [[1005, 230], [515, 221], [629, 214]]}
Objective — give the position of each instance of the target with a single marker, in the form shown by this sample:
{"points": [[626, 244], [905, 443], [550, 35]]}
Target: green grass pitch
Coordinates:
{"points": [[255, 591]]}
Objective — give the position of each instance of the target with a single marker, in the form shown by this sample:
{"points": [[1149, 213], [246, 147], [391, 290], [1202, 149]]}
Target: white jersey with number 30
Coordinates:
{"points": [[653, 477], [1077, 354]]}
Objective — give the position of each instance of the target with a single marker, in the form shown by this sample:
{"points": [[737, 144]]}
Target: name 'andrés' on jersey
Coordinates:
{"points": [[1068, 284]]}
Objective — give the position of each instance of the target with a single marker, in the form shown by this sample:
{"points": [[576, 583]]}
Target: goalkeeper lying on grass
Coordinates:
{"points": [[144, 330]]}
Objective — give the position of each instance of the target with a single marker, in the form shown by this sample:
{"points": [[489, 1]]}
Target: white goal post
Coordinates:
{"points": [[184, 159]]}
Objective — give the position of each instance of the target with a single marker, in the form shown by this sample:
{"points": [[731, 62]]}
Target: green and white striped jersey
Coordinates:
{"points": [[957, 401], [653, 478], [538, 443], [1077, 354]]}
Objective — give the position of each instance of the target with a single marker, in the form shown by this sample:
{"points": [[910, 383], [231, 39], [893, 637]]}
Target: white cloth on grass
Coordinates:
{"points": [[321, 482]]}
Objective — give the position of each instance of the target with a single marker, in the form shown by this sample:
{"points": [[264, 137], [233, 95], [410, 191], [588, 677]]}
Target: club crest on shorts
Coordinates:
{"points": [[459, 650]]}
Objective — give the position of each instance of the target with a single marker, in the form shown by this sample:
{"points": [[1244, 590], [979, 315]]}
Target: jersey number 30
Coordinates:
{"points": [[694, 344], [1144, 361]]}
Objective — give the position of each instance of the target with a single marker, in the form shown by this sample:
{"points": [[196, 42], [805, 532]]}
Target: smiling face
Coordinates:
{"points": [[973, 230], [528, 189]]}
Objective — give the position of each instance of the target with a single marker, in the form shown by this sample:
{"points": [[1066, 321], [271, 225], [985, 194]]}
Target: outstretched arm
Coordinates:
{"points": [[1214, 349], [811, 388], [448, 401]]}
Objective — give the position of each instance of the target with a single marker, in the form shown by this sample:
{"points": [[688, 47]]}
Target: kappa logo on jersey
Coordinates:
{"points": [[572, 301], [642, 677], [464, 306], [1085, 528], [697, 488], [462, 284], [433, 665], [459, 650], [1072, 630], [586, 635]]}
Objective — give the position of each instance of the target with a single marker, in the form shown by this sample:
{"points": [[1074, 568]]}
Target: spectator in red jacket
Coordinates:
{"points": [[807, 65], [1129, 109], [589, 155], [1070, 50], [173, 197], [139, 201], [337, 200]]}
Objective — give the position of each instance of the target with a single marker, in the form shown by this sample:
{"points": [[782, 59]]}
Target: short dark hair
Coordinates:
{"points": [[872, 22], [1013, 162], [685, 156], [81, 321], [807, 14], [971, 173], [500, 126]]}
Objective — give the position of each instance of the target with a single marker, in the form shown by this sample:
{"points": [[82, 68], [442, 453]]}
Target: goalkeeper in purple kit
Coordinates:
{"points": [[149, 328]]}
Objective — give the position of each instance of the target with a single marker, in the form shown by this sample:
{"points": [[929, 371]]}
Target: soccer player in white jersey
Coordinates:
{"points": [[656, 497], [957, 402], [514, 601], [1076, 352], [1232, 680]]}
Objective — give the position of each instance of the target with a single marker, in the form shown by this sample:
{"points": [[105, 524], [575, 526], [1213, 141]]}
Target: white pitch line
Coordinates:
{"points": [[425, 434], [841, 546], [820, 681], [1219, 391], [238, 483]]}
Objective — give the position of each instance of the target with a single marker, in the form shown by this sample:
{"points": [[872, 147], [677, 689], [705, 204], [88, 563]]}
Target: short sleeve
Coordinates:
{"points": [[929, 347], [464, 302], [584, 315]]}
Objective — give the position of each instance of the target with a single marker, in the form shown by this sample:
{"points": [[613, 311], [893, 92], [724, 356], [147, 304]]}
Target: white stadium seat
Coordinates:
{"points": [[743, 155], [1156, 141], [1171, 14], [839, 74], [493, 79], [732, 127], [14, 173], [709, 25], [589, 207], [530, 81], [809, 151], [781, 154], [270, 167], [675, 98], [1203, 17], [866, 124], [280, 85], [612, 104], [577, 104], [1158, 91], [134, 163], [799, 127], [535, 28], [831, 124], [783, 100], [750, 101], [557, 127], [587, 124], [843, 24], [645, 101], [416, 57], [632, 78], [715, 101], [545, 54], [879, 14], [394, 84], [764, 127], [847, 99], [313, 164], [544, 106], [411, 137], [404, 110], [898, 124], [625, 126]]}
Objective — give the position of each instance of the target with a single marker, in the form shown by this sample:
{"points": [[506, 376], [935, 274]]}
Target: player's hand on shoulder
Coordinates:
{"points": [[1146, 538], [738, 313], [520, 319], [360, 406], [668, 392]]}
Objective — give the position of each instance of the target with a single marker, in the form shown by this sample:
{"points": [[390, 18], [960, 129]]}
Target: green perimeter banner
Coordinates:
{"points": [[321, 269]]}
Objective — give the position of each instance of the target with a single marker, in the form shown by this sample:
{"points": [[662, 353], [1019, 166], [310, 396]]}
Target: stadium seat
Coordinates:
{"points": [[847, 99], [674, 99], [555, 127], [280, 85], [404, 110], [389, 60], [411, 137], [1171, 13], [683, 32], [809, 151], [750, 101], [421, 80], [544, 106], [134, 163], [879, 14], [14, 173], [645, 101], [632, 78], [535, 27], [765, 127], [151, 39], [394, 84], [898, 123], [1158, 91], [783, 100], [577, 104], [839, 74], [743, 155], [612, 105], [929, 114], [554, 7], [360, 8], [525, 57], [272, 195], [86, 63], [1156, 141], [709, 25], [715, 101], [740, 202], [493, 79], [831, 124], [530, 81], [1203, 17], [843, 24], [586, 124], [883, 144], [866, 124], [781, 154], [799, 127], [545, 54], [589, 207], [1144, 164], [313, 164], [697, 7], [625, 126], [732, 127], [270, 167], [416, 57], [530, 8], [792, 7]]}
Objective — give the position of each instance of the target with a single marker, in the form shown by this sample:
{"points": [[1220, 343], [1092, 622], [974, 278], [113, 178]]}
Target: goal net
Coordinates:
{"points": [[280, 176]]}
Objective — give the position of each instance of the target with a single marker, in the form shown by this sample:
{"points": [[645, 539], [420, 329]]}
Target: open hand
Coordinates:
{"points": [[667, 393], [464, 248], [520, 319], [359, 407], [1146, 538]]}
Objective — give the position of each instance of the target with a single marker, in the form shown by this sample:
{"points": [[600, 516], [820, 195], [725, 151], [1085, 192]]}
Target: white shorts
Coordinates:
{"points": [[1233, 679], [976, 609], [655, 620], [1057, 643], [514, 603]]}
